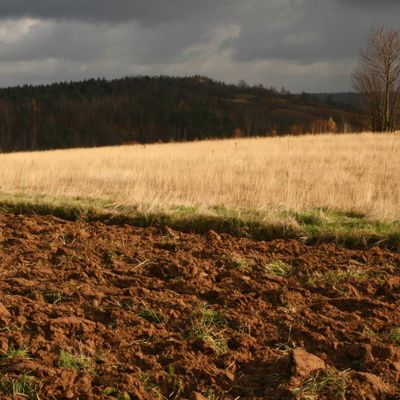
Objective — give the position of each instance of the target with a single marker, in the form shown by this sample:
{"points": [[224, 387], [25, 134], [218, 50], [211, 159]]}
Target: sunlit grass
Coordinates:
{"points": [[352, 172], [340, 187]]}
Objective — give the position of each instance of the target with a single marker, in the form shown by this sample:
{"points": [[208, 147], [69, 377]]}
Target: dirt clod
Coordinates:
{"points": [[372, 387], [304, 364], [197, 396]]}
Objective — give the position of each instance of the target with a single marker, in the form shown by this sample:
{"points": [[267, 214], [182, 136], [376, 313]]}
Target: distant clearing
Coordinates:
{"points": [[276, 179]]}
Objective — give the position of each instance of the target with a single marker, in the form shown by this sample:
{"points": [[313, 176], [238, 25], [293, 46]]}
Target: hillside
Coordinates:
{"points": [[340, 99], [98, 112]]}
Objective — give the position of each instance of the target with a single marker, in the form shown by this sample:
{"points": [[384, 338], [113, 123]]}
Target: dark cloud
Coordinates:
{"points": [[302, 44], [377, 4], [76, 41], [310, 31], [144, 11]]}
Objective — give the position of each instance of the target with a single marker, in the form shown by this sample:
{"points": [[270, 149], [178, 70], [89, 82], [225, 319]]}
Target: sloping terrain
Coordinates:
{"points": [[144, 109], [95, 311]]}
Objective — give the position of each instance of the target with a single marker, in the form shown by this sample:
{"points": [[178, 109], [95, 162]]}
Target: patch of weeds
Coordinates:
{"points": [[278, 268], [330, 383], [206, 326], [150, 385], [215, 340], [344, 292], [232, 262], [166, 242], [13, 353], [75, 285], [367, 332], [333, 278], [114, 392], [211, 317], [179, 278], [178, 387], [144, 339], [75, 360], [308, 218], [224, 212], [112, 303], [23, 386], [167, 358], [184, 211], [65, 238], [210, 394], [53, 297], [285, 348], [395, 335], [150, 315], [123, 305], [378, 278]]}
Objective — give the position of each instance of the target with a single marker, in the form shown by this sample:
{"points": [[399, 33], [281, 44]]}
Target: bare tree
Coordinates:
{"points": [[377, 79]]}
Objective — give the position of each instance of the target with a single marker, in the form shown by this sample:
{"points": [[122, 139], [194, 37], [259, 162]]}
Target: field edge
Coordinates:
{"points": [[346, 229]]}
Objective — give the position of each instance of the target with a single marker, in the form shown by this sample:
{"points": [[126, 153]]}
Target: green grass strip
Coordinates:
{"points": [[345, 229]]}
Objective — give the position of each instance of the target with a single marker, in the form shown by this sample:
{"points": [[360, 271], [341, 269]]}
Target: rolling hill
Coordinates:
{"points": [[143, 109]]}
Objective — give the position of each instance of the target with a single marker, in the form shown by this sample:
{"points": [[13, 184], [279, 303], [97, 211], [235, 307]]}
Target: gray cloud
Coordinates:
{"points": [[376, 4], [310, 31], [146, 12], [84, 42], [303, 44]]}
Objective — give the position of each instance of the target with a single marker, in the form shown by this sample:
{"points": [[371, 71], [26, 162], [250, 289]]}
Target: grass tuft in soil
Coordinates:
{"points": [[330, 383], [150, 385], [236, 263], [277, 268], [150, 315], [335, 277], [209, 325], [17, 353], [114, 392], [176, 383], [210, 317], [395, 335], [75, 360], [23, 386], [53, 297]]}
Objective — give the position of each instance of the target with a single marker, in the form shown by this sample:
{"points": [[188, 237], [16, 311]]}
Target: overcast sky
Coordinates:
{"points": [[309, 45]]}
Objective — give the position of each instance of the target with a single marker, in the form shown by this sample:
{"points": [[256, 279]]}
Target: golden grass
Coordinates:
{"points": [[352, 173]]}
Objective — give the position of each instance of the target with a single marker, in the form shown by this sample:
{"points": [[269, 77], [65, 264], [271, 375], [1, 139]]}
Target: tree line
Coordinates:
{"points": [[142, 109]]}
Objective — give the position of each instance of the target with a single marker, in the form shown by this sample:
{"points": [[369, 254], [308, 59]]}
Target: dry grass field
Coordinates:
{"points": [[357, 173]]}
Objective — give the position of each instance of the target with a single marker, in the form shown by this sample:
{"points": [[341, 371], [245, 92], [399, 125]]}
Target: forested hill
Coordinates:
{"points": [[346, 99], [98, 112]]}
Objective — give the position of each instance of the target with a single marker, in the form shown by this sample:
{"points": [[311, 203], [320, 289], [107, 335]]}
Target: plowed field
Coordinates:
{"points": [[96, 311]]}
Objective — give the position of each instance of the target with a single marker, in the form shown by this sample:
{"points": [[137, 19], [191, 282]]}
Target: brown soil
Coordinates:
{"points": [[163, 314]]}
